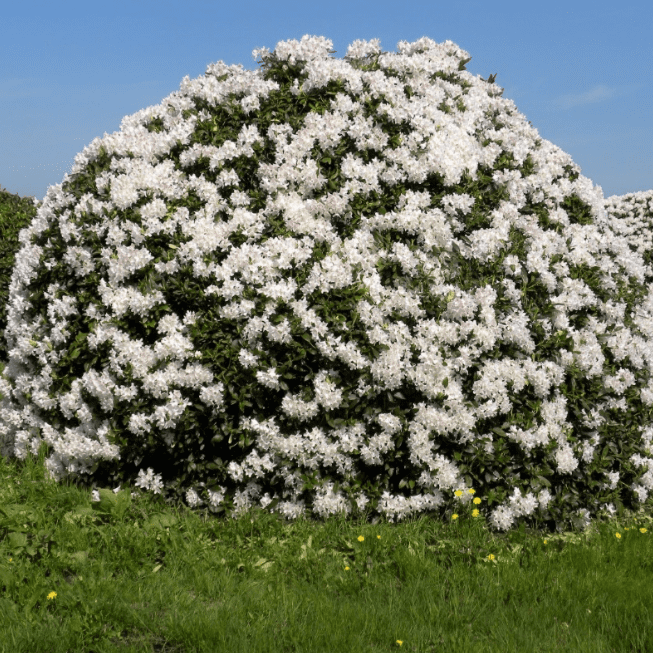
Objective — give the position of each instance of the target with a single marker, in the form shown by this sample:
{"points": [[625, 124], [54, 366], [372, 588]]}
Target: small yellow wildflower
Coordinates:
{"points": [[51, 595], [399, 642], [360, 538], [346, 568], [618, 536], [642, 530], [454, 516], [378, 537], [474, 513], [477, 501], [490, 557]]}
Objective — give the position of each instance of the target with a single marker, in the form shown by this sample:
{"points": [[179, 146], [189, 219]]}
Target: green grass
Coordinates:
{"points": [[154, 577], [145, 576]]}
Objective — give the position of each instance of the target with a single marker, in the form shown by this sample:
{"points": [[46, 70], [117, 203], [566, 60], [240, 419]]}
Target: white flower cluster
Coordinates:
{"points": [[456, 130]]}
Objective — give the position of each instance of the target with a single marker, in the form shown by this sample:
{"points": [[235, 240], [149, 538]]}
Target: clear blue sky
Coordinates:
{"points": [[581, 72]]}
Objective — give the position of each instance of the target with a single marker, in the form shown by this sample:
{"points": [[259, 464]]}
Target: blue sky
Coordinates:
{"points": [[581, 72]]}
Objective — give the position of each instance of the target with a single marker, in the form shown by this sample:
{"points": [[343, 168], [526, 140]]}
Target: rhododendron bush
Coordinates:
{"points": [[328, 285]]}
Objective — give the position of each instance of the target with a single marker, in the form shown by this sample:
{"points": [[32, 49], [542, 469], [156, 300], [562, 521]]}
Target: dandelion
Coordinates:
{"points": [[379, 537], [360, 538], [454, 516], [477, 501], [346, 568], [490, 557], [618, 536], [642, 530], [399, 642], [51, 595]]}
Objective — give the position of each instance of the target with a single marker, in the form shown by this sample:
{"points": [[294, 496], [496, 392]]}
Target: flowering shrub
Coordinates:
{"points": [[335, 285]]}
